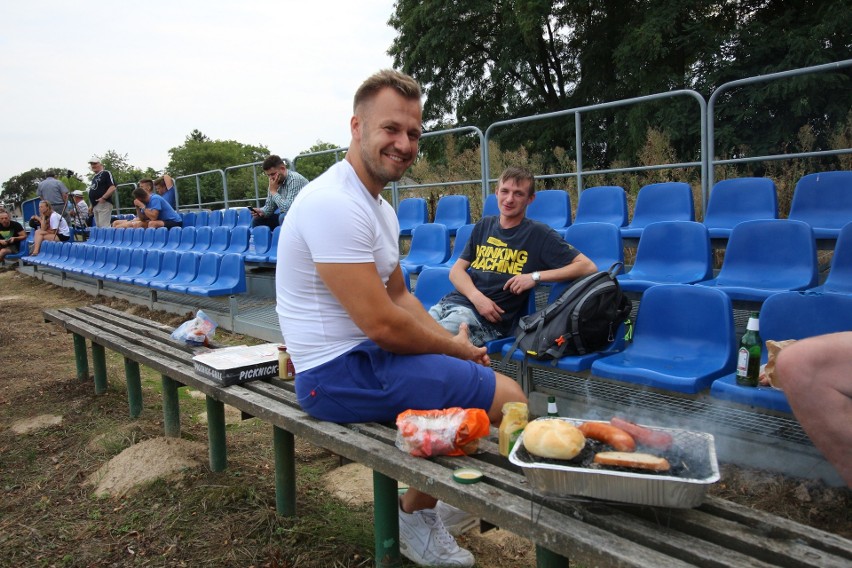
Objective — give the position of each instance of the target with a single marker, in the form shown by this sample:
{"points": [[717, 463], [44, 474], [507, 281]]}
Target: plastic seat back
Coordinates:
{"points": [[683, 340], [153, 262], [136, 266], [215, 218], [137, 236], [207, 269], [168, 269], [668, 201], [88, 261], [148, 238], [733, 201], [230, 278], [229, 218], [462, 236], [824, 201], [601, 242], [432, 284], [490, 207], [430, 246], [203, 237], [187, 270], [108, 235], [602, 204], [174, 237], [187, 238], [551, 207], [453, 211], [769, 255], [239, 239], [219, 239], [412, 212], [670, 252], [840, 275], [244, 217], [109, 264], [100, 260], [188, 218], [161, 235], [202, 218], [259, 240]]}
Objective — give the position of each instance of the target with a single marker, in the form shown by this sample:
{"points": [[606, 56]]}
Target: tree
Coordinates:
{"points": [[21, 187], [312, 166], [200, 154]]}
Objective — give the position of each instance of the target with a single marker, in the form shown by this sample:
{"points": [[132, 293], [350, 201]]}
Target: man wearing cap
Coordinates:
{"points": [[79, 211], [100, 193], [54, 192]]}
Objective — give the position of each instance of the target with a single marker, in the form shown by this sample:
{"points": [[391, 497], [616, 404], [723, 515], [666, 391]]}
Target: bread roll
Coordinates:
{"points": [[554, 439], [633, 459]]}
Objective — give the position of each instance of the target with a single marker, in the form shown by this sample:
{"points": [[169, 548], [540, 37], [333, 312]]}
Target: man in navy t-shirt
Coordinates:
{"points": [[504, 260], [155, 211]]}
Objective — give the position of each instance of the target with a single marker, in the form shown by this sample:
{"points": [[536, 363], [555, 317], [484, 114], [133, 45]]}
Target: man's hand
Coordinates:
{"points": [[138, 204], [474, 353], [519, 283], [487, 308], [274, 182]]}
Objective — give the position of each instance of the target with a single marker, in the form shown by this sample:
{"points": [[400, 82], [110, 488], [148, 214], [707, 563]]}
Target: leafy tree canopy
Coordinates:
{"points": [[312, 166], [22, 187]]}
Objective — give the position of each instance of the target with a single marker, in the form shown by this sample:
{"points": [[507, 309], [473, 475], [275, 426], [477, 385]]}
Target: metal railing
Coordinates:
{"points": [[197, 177]]}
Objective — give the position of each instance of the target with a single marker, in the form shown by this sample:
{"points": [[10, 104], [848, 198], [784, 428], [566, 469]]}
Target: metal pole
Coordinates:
{"points": [[99, 363], [171, 407], [218, 451], [81, 357], [386, 520], [134, 387], [284, 447], [578, 140]]}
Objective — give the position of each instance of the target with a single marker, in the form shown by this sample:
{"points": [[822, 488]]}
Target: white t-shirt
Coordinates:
{"points": [[334, 219], [57, 221]]}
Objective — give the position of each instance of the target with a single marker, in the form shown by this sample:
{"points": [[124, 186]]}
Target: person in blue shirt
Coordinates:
{"points": [[165, 188], [154, 211]]}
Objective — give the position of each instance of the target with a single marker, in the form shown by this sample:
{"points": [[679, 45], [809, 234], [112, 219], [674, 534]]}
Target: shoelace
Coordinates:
{"points": [[442, 535]]}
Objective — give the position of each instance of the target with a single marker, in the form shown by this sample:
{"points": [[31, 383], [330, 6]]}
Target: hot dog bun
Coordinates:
{"points": [[554, 439], [633, 459]]}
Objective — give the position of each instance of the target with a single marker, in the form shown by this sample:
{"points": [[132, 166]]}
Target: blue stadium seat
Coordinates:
{"points": [[551, 207], [601, 242], [108, 265], [168, 269], [405, 277], [207, 272], [244, 217], [239, 240], [214, 219], [787, 315], [203, 236], [161, 235], [188, 218], [670, 252], [107, 237], [97, 264], [125, 257], [259, 240], [95, 236], [412, 212], [76, 257], [121, 237], [202, 218], [840, 275], [229, 218], [823, 201], [153, 263], [490, 208], [668, 201], [430, 246], [174, 236], [148, 238], [231, 278], [137, 236], [683, 340], [453, 211], [88, 260], [766, 256], [432, 284], [602, 204], [187, 270], [136, 267], [733, 201], [60, 257], [220, 239], [462, 236], [187, 238], [270, 254]]}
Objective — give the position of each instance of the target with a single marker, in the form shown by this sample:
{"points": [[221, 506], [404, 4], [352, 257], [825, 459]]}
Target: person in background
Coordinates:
{"points": [[363, 347], [154, 212], [816, 375], [165, 187], [54, 192], [100, 193], [140, 220], [504, 260], [12, 234], [284, 186], [79, 211], [51, 227]]}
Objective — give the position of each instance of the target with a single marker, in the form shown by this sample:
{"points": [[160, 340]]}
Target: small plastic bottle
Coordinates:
{"points": [[286, 370], [748, 357], [251, 248], [551, 406]]}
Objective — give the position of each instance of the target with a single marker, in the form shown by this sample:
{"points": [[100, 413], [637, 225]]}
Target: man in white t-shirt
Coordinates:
{"points": [[363, 346]]}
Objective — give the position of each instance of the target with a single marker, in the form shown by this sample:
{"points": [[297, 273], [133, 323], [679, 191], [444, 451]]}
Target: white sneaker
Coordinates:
{"points": [[424, 540], [457, 521]]}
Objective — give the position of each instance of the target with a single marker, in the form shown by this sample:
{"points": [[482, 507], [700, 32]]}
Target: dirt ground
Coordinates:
{"points": [[84, 485]]}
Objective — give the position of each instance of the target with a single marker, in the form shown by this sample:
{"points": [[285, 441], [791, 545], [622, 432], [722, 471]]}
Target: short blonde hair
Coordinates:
{"points": [[400, 82]]}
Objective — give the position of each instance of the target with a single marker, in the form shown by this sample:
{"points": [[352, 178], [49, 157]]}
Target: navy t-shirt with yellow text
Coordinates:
{"points": [[496, 254]]}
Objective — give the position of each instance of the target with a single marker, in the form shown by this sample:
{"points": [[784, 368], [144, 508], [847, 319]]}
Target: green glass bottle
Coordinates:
{"points": [[551, 406], [748, 358]]}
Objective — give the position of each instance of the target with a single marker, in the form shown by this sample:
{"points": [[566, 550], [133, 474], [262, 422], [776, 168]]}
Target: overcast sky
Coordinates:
{"points": [[81, 78]]}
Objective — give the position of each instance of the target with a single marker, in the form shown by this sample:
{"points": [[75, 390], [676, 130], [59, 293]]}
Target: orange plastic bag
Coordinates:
{"points": [[448, 432]]}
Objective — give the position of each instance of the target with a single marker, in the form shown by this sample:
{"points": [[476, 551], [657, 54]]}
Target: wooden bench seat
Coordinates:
{"points": [[590, 533]]}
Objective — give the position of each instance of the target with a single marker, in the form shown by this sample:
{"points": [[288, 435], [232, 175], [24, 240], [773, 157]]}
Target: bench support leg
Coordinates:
{"points": [[171, 407], [134, 387], [216, 434], [545, 558], [386, 524], [99, 363], [81, 356], [284, 447]]}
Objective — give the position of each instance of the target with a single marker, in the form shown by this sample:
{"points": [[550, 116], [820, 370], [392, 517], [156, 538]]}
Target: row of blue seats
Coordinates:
{"points": [[762, 256], [823, 200], [231, 217], [188, 272], [256, 245], [684, 337]]}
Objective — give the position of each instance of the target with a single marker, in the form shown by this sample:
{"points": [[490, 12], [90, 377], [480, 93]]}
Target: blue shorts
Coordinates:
{"points": [[369, 384]]}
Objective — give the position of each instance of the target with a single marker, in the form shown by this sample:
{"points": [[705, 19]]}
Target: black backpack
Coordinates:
{"points": [[582, 320]]}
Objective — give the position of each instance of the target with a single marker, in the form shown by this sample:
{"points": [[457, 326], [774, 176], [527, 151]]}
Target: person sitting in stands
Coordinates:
{"points": [[12, 234], [165, 188], [284, 186], [504, 260], [816, 375], [51, 227], [154, 211], [79, 211], [140, 220]]}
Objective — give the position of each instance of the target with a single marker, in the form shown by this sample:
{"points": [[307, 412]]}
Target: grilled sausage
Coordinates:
{"points": [[608, 434], [645, 436]]}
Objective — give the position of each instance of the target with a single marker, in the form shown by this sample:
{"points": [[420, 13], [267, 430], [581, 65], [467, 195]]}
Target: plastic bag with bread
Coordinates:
{"points": [[447, 432]]}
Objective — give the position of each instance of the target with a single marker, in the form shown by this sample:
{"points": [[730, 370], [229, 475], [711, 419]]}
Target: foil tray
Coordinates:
{"points": [[658, 490]]}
